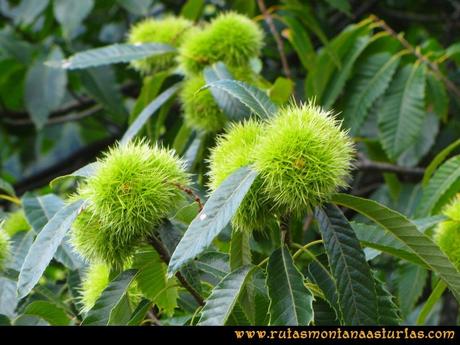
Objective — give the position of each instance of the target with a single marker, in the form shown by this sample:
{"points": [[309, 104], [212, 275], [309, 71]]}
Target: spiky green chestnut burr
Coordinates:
{"points": [[97, 242], [169, 30], [303, 157], [4, 249], [15, 223], [447, 233], [136, 185], [231, 38], [96, 279], [233, 151]]}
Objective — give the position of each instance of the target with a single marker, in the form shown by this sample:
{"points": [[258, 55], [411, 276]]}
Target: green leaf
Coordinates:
{"points": [[330, 59], [378, 238], [411, 282], [355, 285], [444, 184], [70, 14], [325, 315], [139, 7], [440, 157], [110, 299], [339, 79], [436, 294], [290, 301], [223, 298], [139, 313], [84, 172], [341, 5], [300, 41], [8, 297], [387, 310], [112, 54], [29, 10], [436, 95], [39, 210], [66, 255], [240, 251], [216, 214], [320, 275], [214, 263], [49, 312], [370, 82], [255, 99], [143, 117], [7, 187], [44, 88], [403, 110], [152, 282], [423, 143], [281, 90], [407, 232], [193, 9], [230, 105], [20, 246], [101, 84], [45, 245]]}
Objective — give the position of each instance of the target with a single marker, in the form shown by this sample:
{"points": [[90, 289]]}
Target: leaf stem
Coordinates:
{"points": [[279, 42], [304, 248]]}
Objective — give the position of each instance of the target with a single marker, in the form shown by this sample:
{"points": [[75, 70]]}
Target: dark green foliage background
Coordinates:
{"points": [[391, 69]]}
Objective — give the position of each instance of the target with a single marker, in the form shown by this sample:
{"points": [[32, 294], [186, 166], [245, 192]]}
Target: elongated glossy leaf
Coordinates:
{"points": [[216, 214], [331, 59], [402, 113], [115, 53], [44, 88], [370, 82], [320, 274], [20, 246], [230, 105], [152, 282], [444, 184], [139, 7], [355, 286], [70, 14], [49, 312], [290, 301], [437, 96], [39, 210], [8, 297], [378, 238], [388, 314], [7, 187], [339, 79], [300, 40], [240, 251], [407, 232], [66, 255], [437, 161], [143, 117], [101, 84], [411, 282], [139, 313], [223, 298], [110, 299], [255, 99], [84, 172], [214, 263], [45, 245]]}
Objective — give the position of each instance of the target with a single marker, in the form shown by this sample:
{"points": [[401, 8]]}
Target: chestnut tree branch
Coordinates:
{"points": [[165, 257], [279, 42]]}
